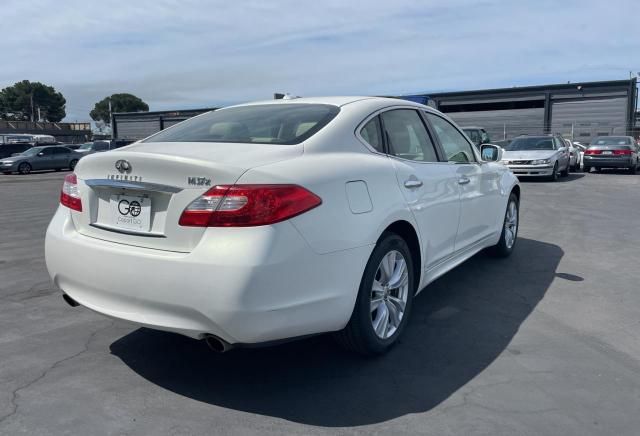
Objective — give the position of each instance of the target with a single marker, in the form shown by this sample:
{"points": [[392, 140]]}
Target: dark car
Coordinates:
{"points": [[7, 150], [611, 152], [49, 157], [71, 146], [478, 135]]}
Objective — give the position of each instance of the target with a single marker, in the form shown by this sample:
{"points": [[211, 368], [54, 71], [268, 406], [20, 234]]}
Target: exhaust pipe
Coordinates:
{"points": [[216, 344], [70, 301]]}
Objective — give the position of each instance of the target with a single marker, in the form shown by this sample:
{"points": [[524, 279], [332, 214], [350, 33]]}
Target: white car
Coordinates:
{"points": [[275, 220], [575, 157]]}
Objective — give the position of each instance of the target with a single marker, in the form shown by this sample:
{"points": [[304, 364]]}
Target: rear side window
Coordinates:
{"points": [[455, 145], [407, 136], [372, 133], [261, 124]]}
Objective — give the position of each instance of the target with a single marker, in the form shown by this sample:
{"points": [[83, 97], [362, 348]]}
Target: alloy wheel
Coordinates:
{"points": [[24, 168], [511, 224], [389, 294]]}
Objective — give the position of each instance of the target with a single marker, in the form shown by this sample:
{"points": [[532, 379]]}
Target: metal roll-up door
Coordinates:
{"points": [[497, 123], [589, 118], [168, 122], [137, 128]]}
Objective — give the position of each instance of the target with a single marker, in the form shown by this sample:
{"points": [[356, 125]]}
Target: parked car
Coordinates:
{"points": [[574, 155], [612, 152], [51, 157], [8, 150], [71, 146], [101, 145], [502, 143], [478, 135], [228, 227], [538, 156], [93, 147]]}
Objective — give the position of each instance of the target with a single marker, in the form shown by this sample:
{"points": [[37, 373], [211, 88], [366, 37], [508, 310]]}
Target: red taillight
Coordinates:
{"points": [[248, 205], [69, 195], [593, 152], [622, 152]]}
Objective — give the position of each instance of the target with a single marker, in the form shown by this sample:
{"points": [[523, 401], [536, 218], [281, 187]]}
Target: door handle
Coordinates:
{"points": [[412, 183], [463, 180]]}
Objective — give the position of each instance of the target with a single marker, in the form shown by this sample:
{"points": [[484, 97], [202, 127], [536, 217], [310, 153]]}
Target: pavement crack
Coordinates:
{"points": [[16, 392]]}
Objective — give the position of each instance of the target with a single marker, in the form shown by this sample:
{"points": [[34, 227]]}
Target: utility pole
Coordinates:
{"points": [[32, 115]]}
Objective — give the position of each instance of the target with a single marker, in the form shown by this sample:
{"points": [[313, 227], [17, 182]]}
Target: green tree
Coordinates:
{"points": [[119, 103], [27, 97]]}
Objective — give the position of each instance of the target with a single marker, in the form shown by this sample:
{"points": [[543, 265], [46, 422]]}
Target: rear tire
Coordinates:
{"points": [[384, 300], [24, 168], [72, 164], [509, 235], [633, 169], [565, 172]]}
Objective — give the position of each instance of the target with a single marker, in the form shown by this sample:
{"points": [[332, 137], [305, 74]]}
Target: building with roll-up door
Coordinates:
{"points": [[576, 110], [132, 126]]}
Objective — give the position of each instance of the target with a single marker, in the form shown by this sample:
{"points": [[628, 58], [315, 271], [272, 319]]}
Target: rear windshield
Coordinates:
{"points": [[261, 124], [612, 140], [531, 143]]}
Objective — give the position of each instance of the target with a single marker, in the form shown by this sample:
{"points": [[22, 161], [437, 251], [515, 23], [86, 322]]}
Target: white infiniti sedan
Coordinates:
{"points": [[281, 219]]}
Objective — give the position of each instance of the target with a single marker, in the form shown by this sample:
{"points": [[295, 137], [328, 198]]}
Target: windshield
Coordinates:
{"points": [[32, 151], [86, 146], [261, 124], [612, 140], [532, 143]]}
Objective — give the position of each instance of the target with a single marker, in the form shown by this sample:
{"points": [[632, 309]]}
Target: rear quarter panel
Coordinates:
{"points": [[333, 226]]}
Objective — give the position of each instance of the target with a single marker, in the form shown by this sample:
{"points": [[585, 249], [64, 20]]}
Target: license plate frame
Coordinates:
{"points": [[131, 212], [607, 152]]}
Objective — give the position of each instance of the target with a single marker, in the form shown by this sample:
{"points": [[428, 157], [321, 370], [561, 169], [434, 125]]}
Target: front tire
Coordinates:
{"points": [[384, 299], [24, 168], [509, 234], [554, 176], [565, 172]]}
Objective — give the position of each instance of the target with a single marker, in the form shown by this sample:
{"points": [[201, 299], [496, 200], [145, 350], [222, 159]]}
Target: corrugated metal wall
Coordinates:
{"points": [[132, 128], [515, 121], [589, 117]]}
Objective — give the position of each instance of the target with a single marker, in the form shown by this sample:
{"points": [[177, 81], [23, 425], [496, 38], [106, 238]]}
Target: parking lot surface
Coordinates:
{"points": [[545, 342]]}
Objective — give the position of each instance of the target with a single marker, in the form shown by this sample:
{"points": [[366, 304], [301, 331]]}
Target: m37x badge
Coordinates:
{"points": [[198, 181]]}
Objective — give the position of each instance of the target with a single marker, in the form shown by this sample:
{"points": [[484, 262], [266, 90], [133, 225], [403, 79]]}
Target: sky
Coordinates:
{"points": [[177, 54]]}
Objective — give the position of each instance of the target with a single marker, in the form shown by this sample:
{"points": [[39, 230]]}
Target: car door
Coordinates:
{"points": [[427, 183], [60, 157], [478, 184], [43, 160]]}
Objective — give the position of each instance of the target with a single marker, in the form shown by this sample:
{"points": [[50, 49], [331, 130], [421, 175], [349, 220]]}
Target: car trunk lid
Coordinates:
{"points": [[136, 195]]}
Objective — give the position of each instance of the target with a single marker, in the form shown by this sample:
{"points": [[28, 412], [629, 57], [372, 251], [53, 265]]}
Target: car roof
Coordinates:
{"points": [[334, 100]]}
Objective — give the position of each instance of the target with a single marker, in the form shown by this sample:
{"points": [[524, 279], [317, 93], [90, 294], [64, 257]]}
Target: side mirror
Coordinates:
{"points": [[41, 154], [491, 153]]}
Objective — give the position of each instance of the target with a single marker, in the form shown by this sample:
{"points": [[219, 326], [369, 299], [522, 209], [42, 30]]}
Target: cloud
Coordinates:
{"points": [[188, 53]]}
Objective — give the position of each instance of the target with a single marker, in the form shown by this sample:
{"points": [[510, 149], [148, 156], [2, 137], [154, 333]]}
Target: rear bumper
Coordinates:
{"points": [[612, 162], [245, 285]]}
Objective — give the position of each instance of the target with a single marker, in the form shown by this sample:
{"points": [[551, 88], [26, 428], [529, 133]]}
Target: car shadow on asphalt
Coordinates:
{"points": [[459, 325], [572, 177]]}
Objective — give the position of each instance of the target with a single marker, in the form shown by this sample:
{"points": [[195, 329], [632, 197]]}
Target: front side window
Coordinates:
{"points": [[372, 133], [407, 136], [456, 147], [261, 124]]}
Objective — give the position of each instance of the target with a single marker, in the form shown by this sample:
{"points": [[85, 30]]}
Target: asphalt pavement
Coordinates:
{"points": [[546, 342]]}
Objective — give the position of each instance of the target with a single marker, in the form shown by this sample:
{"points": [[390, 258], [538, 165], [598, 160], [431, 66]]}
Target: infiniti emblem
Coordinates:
{"points": [[123, 166]]}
